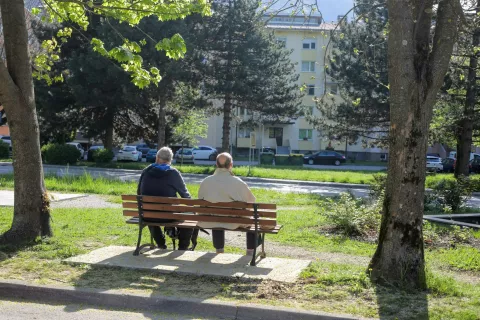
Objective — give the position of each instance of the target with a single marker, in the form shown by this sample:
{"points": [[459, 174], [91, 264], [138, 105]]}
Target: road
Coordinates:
{"points": [[13, 310], [324, 189]]}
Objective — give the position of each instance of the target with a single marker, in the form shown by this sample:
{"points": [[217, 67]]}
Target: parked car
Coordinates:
{"points": [[143, 148], [325, 157], [79, 148], [453, 154], [187, 154], [8, 140], [434, 164], [151, 155], [129, 153], [475, 165], [269, 150], [204, 153], [92, 150], [449, 165]]}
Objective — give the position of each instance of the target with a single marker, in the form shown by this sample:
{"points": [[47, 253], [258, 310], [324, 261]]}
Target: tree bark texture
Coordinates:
{"points": [[464, 140], [415, 75], [162, 123], [227, 117], [31, 212], [109, 132]]}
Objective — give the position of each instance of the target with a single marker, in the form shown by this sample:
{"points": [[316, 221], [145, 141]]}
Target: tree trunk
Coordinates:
{"points": [[31, 212], [108, 143], [162, 123], [464, 141], [415, 76], [227, 117]]}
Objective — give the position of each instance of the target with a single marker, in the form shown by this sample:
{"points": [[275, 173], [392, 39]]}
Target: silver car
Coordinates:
{"points": [[434, 164]]}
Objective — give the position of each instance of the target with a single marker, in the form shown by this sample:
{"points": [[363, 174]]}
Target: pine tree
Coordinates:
{"points": [[358, 63], [245, 67]]}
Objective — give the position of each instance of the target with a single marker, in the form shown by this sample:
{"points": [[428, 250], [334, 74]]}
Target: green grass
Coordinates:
{"points": [[288, 173], [324, 286]]}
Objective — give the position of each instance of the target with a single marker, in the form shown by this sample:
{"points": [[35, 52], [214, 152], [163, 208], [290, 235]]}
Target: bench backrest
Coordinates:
{"points": [[182, 209]]}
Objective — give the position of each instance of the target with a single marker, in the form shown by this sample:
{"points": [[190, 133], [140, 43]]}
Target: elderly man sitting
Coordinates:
{"points": [[160, 179], [223, 186]]}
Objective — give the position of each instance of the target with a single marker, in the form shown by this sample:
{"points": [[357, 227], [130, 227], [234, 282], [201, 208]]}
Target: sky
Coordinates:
{"points": [[329, 9]]}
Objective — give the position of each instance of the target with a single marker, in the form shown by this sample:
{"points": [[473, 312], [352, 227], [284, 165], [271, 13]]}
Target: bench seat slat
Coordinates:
{"points": [[236, 204], [212, 211], [193, 224], [193, 217]]}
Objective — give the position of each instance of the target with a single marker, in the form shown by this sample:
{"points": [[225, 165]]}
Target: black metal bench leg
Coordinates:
{"points": [[152, 245], [263, 254], [253, 263], [137, 250]]}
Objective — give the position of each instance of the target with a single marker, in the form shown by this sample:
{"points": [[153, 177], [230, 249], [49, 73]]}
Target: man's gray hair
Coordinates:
{"points": [[165, 154]]}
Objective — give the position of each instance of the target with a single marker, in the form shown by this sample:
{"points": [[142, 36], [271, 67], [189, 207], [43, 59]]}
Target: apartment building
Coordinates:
{"points": [[308, 38]]}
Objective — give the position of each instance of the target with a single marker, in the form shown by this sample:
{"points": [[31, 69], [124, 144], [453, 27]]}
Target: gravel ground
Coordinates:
{"points": [[89, 201], [274, 249]]}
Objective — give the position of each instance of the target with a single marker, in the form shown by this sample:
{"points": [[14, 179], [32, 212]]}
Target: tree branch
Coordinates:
{"points": [[446, 30]]}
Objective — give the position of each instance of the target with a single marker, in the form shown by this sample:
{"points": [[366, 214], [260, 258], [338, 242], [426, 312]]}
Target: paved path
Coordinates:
{"points": [[16, 310], [7, 199]]}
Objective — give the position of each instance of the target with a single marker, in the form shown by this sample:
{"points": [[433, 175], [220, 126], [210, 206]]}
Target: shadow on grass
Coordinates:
{"points": [[401, 304]]}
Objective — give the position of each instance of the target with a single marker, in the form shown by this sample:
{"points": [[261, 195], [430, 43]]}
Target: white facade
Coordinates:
{"points": [[308, 40]]}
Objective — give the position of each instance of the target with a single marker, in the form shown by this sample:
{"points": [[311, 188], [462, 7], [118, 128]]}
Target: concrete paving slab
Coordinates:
{"points": [[7, 197], [195, 262]]}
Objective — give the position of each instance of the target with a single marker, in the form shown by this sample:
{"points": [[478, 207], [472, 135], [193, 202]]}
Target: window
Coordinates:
{"points": [[275, 132], [244, 133], [282, 42], [205, 148], [308, 66], [305, 134], [309, 44], [241, 112], [333, 88], [311, 90]]}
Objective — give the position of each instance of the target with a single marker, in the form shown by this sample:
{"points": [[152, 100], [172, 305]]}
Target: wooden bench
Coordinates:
{"points": [[259, 218]]}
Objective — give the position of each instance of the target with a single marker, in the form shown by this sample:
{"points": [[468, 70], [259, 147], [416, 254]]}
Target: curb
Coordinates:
{"points": [[200, 308]]}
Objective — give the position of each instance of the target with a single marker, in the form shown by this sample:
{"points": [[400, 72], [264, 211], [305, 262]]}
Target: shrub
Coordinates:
{"points": [[377, 187], [353, 216], [60, 154], [452, 195], [4, 150], [103, 155]]}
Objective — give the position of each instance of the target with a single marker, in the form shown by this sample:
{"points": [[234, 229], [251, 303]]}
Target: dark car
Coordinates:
{"points": [[448, 165], [151, 155], [143, 148], [325, 157], [475, 165]]}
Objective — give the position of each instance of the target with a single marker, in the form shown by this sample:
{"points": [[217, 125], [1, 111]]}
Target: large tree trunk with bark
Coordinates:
{"points": [[464, 141], [109, 132], [227, 117], [415, 76], [162, 122], [31, 212]]}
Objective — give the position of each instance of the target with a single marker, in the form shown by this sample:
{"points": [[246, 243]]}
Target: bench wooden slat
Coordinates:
{"points": [[193, 217], [193, 224], [212, 211], [236, 204]]}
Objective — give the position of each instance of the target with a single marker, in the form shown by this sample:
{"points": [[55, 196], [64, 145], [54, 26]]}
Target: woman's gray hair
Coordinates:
{"points": [[165, 154]]}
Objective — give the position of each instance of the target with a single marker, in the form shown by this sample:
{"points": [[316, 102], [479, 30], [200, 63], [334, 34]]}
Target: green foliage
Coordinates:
{"points": [[352, 216], [378, 185], [103, 155], [60, 154], [452, 195], [358, 63], [123, 11], [191, 126], [4, 150]]}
